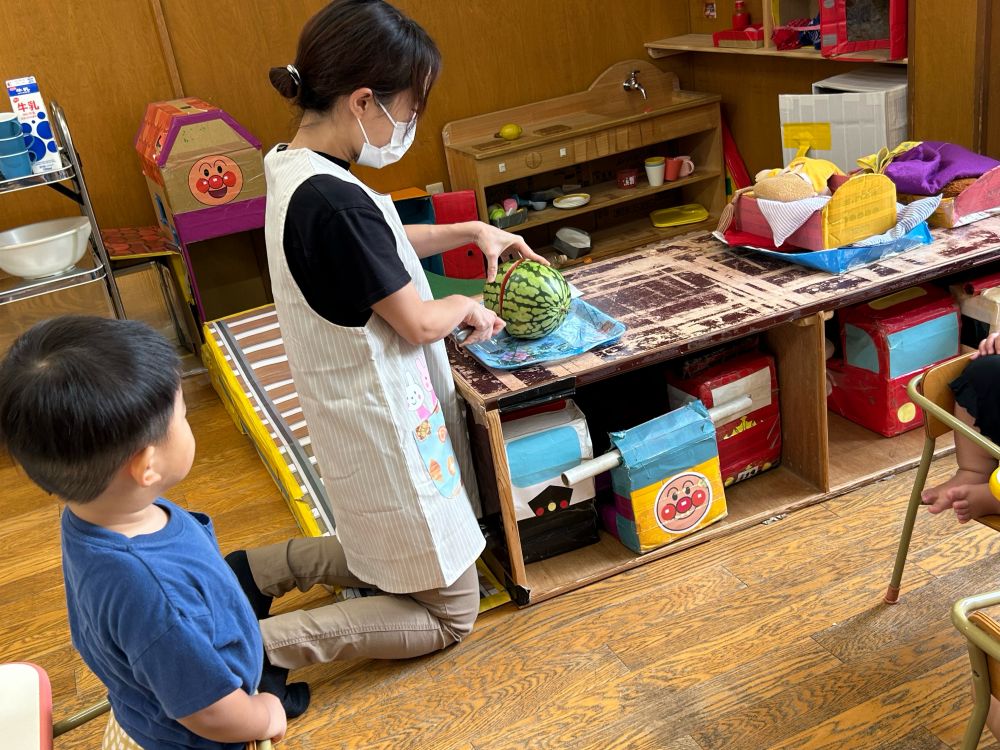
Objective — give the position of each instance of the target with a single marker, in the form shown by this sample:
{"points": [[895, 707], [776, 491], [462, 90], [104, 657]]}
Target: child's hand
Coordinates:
{"points": [[277, 723], [484, 324], [989, 345]]}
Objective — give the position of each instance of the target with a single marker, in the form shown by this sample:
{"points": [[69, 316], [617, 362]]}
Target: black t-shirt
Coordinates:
{"points": [[340, 250]]}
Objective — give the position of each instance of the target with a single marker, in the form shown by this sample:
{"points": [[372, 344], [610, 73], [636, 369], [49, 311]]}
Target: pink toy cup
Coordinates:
{"points": [[678, 167]]}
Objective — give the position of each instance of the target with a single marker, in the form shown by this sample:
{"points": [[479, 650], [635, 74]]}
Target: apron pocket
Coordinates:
{"points": [[436, 454]]}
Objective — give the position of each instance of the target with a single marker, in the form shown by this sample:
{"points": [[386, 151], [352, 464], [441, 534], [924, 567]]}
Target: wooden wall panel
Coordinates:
{"points": [[943, 91], [102, 63], [750, 87], [495, 56]]}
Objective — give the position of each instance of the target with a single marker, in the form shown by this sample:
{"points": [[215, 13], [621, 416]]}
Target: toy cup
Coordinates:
{"points": [[9, 125], [13, 145], [655, 167], [16, 165], [628, 178], [679, 166]]}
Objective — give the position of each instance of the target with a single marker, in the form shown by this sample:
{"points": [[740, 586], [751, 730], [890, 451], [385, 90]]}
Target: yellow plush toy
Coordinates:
{"points": [[804, 177]]}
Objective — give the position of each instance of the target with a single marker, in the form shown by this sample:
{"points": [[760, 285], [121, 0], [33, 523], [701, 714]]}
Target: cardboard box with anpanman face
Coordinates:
{"points": [[668, 484], [204, 171]]}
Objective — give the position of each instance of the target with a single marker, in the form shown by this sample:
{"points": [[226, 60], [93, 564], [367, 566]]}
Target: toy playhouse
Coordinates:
{"points": [[885, 343], [541, 444], [749, 442], [204, 170], [667, 484]]}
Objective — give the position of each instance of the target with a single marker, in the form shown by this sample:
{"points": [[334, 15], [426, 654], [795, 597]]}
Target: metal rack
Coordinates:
{"points": [[91, 268]]}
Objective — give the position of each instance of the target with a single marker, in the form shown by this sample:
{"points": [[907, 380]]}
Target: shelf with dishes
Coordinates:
{"points": [[678, 45], [606, 194]]}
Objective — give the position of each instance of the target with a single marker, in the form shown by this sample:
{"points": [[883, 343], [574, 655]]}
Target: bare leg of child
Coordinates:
{"points": [[993, 717], [971, 501], [974, 468]]}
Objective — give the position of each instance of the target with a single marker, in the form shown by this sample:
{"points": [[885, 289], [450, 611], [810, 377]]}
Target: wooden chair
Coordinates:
{"points": [[983, 634], [931, 392]]}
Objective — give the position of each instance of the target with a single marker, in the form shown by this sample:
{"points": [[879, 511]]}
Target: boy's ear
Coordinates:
{"points": [[141, 468]]}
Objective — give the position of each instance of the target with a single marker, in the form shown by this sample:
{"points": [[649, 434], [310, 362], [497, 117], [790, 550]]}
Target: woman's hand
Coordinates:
{"points": [[496, 242], [484, 323], [989, 345]]}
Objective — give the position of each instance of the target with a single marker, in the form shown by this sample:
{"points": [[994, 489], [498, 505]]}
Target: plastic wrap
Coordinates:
{"points": [[585, 328]]}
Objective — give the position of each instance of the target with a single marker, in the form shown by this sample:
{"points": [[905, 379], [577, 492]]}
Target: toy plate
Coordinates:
{"points": [[573, 200], [585, 328], [690, 213]]}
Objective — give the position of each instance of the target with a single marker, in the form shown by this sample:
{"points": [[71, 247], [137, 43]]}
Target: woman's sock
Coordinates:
{"points": [[260, 601]]}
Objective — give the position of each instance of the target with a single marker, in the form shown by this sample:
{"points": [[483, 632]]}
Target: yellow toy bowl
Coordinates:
{"points": [[689, 213]]}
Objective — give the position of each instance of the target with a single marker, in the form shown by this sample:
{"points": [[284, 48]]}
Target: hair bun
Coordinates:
{"points": [[284, 82]]}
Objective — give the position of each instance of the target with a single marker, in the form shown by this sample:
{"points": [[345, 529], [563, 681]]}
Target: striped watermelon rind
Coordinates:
{"points": [[531, 298]]}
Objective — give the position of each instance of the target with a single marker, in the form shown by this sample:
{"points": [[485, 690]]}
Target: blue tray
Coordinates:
{"points": [[842, 259], [585, 328]]}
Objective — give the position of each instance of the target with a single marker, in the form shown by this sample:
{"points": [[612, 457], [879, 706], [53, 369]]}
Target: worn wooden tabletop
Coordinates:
{"points": [[689, 292]]}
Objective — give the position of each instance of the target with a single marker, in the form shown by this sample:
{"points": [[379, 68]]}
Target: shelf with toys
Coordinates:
{"points": [[594, 143], [678, 45]]}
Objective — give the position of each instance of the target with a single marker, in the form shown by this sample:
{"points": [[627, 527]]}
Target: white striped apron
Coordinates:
{"points": [[387, 427]]}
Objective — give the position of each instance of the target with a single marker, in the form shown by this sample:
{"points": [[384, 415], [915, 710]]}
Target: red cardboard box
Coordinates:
{"points": [[750, 37], [885, 343], [751, 442]]}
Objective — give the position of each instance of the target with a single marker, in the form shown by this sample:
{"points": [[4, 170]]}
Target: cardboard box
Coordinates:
{"points": [[551, 518], [749, 443], [847, 116], [27, 103], [749, 38], [863, 206], [853, 26], [669, 484], [885, 343], [979, 301], [204, 171], [978, 201]]}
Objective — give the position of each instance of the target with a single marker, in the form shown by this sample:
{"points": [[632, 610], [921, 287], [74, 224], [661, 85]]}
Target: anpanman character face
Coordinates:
{"points": [[215, 180], [683, 502]]}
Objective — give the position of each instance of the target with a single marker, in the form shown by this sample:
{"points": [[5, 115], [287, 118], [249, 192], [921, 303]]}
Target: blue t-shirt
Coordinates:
{"points": [[162, 621]]}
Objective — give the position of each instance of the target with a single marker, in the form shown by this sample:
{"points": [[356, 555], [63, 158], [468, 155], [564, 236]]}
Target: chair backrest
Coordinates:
{"points": [[935, 386], [992, 628]]}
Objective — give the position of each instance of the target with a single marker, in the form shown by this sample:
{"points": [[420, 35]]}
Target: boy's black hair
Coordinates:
{"points": [[80, 396]]}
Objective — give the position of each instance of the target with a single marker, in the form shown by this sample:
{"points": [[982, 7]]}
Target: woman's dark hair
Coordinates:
{"points": [[79, 396], [352, 44]]}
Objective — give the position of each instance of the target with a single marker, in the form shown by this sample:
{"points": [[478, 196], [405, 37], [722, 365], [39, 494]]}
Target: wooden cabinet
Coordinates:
{"points": [[679, 296], [584, 139]]}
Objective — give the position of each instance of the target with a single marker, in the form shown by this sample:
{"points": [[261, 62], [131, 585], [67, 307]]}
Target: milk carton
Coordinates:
{"points": [[26, 101]]}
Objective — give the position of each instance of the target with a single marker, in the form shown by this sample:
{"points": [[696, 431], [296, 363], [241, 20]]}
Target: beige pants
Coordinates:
{"points": [[388, 626], [116, 739]]}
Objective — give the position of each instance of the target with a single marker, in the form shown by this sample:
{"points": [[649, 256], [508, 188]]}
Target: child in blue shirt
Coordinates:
{"points": [[93, 411]]}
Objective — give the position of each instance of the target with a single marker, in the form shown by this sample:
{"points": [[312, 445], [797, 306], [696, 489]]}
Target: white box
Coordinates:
{"points": [[846, 117]]}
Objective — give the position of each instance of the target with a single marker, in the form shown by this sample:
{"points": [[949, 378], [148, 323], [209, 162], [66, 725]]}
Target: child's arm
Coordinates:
{"points": [[431, 239], [424, 322], [239, 717]]}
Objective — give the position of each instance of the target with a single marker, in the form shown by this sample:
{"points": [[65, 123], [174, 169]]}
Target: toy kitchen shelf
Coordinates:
{"points": [[678, 45], [677, 296], [88, 287], [585, 138]]}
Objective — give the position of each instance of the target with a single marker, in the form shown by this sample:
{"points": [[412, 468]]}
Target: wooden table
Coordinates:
{"points": [[684, 294]]}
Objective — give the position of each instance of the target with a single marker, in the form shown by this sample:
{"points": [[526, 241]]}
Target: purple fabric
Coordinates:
{"points": [[927, 168]]}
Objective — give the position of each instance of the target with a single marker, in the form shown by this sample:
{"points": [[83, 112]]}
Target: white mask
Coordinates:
{"points": [[380, 156]]}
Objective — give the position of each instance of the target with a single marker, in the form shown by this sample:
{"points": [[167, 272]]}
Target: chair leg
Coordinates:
{"points": [[61, 727], [892, 593], [981, 706]]}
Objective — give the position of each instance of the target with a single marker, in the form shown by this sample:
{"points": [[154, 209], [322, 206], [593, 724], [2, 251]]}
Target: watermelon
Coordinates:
{"points": [[533, 299]]}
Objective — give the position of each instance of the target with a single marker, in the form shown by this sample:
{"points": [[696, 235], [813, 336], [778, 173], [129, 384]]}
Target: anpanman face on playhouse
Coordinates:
{"points": [[215, 180], [683, 502]]}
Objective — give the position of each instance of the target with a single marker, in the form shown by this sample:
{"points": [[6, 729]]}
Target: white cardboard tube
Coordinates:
{"points": [[611, 459]]}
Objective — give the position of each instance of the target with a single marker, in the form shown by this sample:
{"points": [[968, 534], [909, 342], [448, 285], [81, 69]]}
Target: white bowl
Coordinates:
{"points": [[44, 249]]}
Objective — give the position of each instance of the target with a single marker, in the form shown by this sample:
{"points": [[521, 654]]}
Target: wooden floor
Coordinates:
{"points": [[773, 638]]}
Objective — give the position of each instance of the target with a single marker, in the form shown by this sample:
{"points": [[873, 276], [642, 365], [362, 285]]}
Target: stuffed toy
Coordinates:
{"points": [[804, 177]]}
